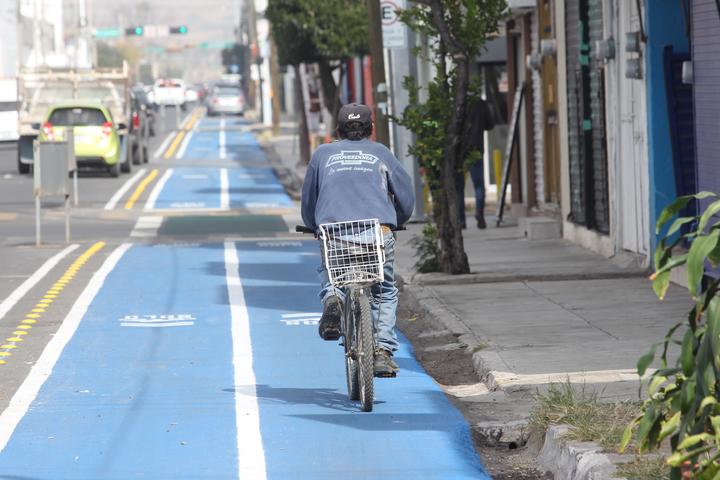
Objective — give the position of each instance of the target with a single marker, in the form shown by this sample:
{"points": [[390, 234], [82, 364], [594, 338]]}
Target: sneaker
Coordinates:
{"points": [[329, 328], [384, 365]]}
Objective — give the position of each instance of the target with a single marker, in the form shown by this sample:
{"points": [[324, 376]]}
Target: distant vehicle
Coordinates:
{"points": [[143, 96], [225, 99], [191, 95], [8, 110], [169, 91], [42, 87], [97, 142]]}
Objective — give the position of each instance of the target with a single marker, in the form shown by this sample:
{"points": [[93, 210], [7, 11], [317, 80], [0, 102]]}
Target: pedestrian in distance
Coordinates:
{"points": [[352, 179], [481, 119]]}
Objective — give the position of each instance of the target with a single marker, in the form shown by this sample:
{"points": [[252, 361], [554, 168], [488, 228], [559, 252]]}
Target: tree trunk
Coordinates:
{"points": [[303, 133], [331, 92]]}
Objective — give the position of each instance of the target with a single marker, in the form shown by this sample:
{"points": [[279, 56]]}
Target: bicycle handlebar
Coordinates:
{"points": [[304, 229]]}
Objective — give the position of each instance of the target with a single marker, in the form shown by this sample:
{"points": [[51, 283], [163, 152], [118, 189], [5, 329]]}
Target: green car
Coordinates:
{"points": [[97, 143]]}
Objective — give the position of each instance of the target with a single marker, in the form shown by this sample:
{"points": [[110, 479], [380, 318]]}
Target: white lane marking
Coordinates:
{"points": [[155, 325], [224, 185], [251, 456], [147, 226], [150, 204], [221, 139], [123, 190], [42, 369], [39, 274], [195, 176], [163, 145], [184, 144]]}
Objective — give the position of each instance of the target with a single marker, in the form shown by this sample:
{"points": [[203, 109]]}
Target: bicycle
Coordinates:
{"points": [[354, 256]]}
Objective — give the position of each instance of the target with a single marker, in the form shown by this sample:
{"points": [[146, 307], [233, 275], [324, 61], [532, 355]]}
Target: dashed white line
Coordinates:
{"points": [[150, 204], [224, 185], [39, 274], [184, 144], [123, 190], [251, 456], [163, 145], [40, 372], [221, 139]]}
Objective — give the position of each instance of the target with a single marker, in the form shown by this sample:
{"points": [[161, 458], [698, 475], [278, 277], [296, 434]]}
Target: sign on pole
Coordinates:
{"points": [[394, 31]]}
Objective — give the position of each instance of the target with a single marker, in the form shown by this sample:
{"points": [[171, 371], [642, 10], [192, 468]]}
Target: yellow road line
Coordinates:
{"points": [[140, 189], [194, 120], [174, 145], [25, 326]]}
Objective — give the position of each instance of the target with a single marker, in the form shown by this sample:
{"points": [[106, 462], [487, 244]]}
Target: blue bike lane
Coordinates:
{"points": [[203, 361], [245, 181]]}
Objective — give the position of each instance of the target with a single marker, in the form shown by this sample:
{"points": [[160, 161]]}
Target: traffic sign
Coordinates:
{"points": [[107, 32], [393, 30], [216, 45], [156, 31]]}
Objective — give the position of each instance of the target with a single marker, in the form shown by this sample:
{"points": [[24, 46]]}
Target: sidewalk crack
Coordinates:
{"points": [[570, 311]]}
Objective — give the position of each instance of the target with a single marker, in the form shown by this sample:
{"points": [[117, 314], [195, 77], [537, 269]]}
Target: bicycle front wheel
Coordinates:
{"points": [[365, 342], [350, 341]]}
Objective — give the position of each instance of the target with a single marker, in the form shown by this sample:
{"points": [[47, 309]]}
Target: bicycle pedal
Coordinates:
{"points": [[385, 374]]}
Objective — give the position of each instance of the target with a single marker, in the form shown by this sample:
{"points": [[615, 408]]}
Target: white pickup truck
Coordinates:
{"points": [[40, 88], [8, 109], [169, 91]]}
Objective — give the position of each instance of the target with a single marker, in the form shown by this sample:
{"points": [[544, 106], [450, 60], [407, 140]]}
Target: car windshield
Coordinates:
{"points": [[227, 92], [77, 117]]}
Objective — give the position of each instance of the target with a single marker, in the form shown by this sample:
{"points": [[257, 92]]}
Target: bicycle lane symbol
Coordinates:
{"points": [[296, 319]]}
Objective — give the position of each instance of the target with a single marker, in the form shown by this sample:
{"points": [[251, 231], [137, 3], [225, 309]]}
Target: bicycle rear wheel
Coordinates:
{"points": [[351, 364], [365, 351]]}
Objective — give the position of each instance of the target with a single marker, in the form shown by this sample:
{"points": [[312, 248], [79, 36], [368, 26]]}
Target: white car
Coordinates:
{"points": [[191, 95], [169, 92]]}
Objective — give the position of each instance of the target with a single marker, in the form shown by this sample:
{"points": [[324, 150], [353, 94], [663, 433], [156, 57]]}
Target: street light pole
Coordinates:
{"points": [[382, 133]]}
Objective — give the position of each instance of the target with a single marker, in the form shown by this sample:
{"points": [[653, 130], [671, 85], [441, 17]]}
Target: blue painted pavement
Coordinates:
{"points": [[126, 401]]}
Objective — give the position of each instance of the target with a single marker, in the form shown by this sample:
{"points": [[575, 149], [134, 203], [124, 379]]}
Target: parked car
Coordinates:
{"points": [[97, 143], [225, 99], [169, 92]]}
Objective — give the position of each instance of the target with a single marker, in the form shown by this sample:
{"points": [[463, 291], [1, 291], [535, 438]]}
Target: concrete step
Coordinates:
{"points": [[540, 228]]}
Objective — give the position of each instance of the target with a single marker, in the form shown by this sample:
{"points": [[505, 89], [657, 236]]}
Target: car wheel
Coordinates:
{"points": [[114, 170]]}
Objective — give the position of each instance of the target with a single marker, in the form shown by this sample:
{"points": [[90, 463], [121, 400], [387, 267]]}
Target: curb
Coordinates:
{"points": [[575, 460], [288, 176], [431, 279], [487, 363]]}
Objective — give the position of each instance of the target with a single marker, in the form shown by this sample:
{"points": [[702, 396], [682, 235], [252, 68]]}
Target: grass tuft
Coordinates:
{"points": [[651, 468], [589, 419]]}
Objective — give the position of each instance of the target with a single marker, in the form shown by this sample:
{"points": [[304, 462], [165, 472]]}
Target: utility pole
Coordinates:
{"points": [[382, 133]]}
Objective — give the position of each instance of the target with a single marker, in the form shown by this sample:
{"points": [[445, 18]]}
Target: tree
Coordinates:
{"points": [[325, 32], [459, 28]]}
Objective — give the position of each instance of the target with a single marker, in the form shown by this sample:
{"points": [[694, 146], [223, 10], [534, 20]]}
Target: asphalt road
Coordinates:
{"points": [[176, 336]]}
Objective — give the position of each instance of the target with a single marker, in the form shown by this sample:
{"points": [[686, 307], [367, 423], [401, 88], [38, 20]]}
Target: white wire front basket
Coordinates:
{"points": [[353, 252]]}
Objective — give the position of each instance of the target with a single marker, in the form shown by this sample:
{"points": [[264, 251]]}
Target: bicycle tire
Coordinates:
{"points": [[351, 364], [365, 351]]}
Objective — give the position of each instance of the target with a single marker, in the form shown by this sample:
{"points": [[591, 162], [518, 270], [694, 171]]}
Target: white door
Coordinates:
{"points": [[633, 198]]}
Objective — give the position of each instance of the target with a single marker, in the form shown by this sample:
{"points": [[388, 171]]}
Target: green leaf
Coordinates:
{"points": [[709, 400], [678, 458], [677, 205], [709, 212], [677, 224], [692, 440], [644, 362], [655, 383], [687, 354], [627, 436], [646, 424], [699, 250], [661, 283], [669, 426]]}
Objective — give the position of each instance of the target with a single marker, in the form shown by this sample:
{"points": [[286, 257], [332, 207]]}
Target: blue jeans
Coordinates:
{"points": [[384, 297], [478, 179]]}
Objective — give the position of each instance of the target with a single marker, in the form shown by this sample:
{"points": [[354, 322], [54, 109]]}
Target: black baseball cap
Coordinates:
{"points": [[354, 112]]}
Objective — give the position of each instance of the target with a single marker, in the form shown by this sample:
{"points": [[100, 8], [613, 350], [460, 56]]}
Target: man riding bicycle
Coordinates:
{"points": [[352, 179]]}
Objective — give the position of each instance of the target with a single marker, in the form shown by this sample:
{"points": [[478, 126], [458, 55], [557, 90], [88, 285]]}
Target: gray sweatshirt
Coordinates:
{"points": [[356, 180]]}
